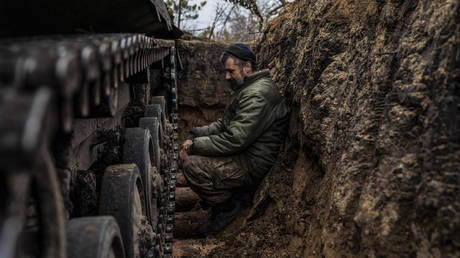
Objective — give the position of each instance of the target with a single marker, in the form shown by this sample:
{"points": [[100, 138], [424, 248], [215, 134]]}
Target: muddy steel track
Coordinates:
{"points": [[62, 98]]}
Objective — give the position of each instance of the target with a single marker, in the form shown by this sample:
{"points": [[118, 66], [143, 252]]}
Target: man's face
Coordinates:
{"points": [[233, 73]]}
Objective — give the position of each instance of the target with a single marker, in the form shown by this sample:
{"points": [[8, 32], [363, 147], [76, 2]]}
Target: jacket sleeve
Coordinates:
{"points": [[213, 128], [216, 127], [249, 122]]}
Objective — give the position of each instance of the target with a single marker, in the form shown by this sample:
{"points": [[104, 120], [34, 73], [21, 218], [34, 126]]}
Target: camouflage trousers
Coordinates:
{"points": [[215, 179]]}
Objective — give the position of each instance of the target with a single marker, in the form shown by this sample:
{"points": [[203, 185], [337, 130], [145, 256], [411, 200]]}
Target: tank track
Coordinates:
{"points": [[49, 82]]}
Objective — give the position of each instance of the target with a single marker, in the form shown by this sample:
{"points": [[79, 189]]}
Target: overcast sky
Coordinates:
{"points": [[206, 14]]}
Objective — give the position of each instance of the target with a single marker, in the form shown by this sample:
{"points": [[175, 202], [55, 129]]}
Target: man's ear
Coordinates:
{"points": [[248, 67]]}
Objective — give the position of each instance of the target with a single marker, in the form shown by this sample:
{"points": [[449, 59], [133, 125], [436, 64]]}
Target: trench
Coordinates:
{"points": [[370, 165]]}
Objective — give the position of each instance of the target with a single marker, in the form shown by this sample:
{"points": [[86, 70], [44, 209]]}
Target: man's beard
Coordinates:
{"points": [[236, 84]]}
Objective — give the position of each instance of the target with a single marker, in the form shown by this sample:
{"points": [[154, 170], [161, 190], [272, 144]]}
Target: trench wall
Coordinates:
{"points": [[375, 92], [371, 164], [203, 91]]}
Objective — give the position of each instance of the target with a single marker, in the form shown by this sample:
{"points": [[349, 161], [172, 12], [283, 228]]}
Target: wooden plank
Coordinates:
{"points": [[186, 199], [186, 224], [181, 182]]}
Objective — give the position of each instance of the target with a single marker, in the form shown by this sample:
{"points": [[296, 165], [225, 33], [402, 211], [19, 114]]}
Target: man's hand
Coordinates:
{"points": [[182, 156], [186, 145], [184, 153]]}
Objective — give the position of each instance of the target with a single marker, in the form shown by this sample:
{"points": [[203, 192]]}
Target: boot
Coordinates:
{"points": [[223, 215]]}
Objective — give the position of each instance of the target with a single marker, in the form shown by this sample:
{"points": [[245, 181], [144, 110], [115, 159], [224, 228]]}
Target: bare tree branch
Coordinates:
{"points": [[219, 15], [228, 17], [275, 10], [251, 5]]}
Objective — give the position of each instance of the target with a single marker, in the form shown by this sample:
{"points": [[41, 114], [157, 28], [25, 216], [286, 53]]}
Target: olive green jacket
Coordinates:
{"points": [[252, 129]]}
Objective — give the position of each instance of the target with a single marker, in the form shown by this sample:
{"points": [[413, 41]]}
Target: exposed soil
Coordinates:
{"points": [[194, 247], [371, 164]]}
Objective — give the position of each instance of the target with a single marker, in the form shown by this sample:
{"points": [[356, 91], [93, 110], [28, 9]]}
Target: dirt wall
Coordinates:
{"points": [[372, 163], [203, 91]]}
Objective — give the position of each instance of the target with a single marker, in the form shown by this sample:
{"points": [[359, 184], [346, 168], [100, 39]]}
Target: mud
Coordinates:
{"points": [[85, 184], [83, 194], [194, 247], [145, 236]]}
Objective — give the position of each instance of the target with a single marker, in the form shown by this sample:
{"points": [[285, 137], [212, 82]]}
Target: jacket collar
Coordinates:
{"points": [[250, 79]]}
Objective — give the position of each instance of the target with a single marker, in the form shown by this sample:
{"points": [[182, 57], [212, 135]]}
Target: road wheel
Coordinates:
{"points": [[159, 100], [31, 212], [122, 196], [155, 110], [152, 124], [94, 237], [138, 149]]}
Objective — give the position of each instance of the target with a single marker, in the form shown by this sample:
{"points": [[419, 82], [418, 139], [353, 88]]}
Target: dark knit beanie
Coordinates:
{"points": [[243, 52]]}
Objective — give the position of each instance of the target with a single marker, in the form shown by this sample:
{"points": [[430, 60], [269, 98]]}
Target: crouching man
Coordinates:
{"points": [[226, 160]]}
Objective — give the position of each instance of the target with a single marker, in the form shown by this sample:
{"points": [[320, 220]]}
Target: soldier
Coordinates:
{"points": [[227, 159]]}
